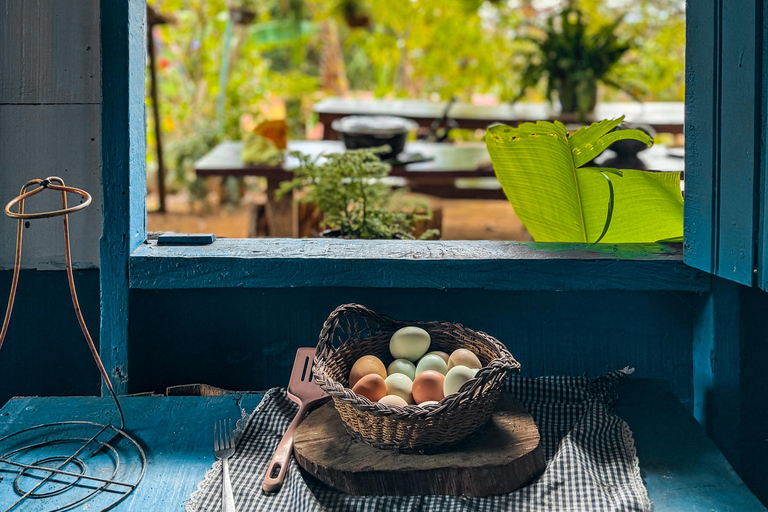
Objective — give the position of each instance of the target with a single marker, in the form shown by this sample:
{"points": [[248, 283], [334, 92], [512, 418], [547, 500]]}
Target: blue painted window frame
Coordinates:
{"points": [[712, 199], [725, 202]]}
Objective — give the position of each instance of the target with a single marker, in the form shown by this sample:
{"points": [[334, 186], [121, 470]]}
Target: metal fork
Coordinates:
{"points": [[224, 448]]}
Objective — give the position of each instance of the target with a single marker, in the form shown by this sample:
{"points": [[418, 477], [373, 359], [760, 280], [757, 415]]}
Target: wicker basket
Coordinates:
{"points": [[352, 331]]}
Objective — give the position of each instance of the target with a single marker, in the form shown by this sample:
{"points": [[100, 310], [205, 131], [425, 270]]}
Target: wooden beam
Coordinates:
{"points": [[281, 263], [717, 367], [123, 154]]}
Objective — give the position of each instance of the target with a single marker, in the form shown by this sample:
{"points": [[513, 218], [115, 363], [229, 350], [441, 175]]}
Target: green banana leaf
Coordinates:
{"points": [[540, 169]]}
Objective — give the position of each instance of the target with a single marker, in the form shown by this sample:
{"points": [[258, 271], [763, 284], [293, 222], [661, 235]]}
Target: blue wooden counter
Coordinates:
{"points": [[682, 469], [175, 432]]}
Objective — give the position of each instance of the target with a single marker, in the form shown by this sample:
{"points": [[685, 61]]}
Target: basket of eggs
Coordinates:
{"points": [[409, 386]]}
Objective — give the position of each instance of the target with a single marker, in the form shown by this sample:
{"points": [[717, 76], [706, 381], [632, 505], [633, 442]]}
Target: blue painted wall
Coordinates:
{"points": [[754, 392], [244, 339], [45, 352]]}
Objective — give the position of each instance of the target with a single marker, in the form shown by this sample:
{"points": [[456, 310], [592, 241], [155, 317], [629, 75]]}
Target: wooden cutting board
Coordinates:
{"points": [[505, 455]]}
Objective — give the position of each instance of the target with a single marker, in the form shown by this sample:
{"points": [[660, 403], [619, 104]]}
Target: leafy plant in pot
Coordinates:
{"points": [[348, 191], [573, 60], [243, 12]]}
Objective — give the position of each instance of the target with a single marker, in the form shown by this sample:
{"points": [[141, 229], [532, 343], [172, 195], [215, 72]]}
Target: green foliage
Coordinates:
{"points": [[541, 171], [413, 48], [190, 58], [430, 48], [655, 68], [347, 188], [182, 155], [573, 59]]}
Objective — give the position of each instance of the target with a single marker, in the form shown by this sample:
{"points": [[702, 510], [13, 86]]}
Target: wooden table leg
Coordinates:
{"points": [[326, 120], [281, 214]]}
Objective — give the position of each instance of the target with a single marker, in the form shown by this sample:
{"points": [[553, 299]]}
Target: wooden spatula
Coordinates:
{"points": [[302, 390]]}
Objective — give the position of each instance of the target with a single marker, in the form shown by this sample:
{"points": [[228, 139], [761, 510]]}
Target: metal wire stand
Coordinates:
{"points": [[36, 452]]}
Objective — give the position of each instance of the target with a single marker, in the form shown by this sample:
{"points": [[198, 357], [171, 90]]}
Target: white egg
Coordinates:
{"points": [[409, 343], [456, 377], [393, 400], [400, 385], [429, 402], [403, 366], [431, 362]]}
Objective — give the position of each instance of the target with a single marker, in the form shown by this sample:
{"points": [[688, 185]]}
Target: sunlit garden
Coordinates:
{"points": [[268, 117]]}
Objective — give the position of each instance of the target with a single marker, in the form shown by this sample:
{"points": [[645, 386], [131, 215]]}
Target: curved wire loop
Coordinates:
{"points": [[43, 184], [50, 182]]}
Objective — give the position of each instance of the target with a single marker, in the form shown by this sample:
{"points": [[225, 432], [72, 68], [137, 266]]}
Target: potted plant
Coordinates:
{"points": [[573, 60], [348, 191], [243, 12]]}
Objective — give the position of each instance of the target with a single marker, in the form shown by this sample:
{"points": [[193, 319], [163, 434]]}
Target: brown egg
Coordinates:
{"points": [[440, 353], [464, 357], [372, 387], [365, 366], [428, 385]]}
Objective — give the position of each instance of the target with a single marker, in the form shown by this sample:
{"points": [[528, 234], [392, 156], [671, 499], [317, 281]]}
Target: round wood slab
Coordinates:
{"points": [[503, 456]]}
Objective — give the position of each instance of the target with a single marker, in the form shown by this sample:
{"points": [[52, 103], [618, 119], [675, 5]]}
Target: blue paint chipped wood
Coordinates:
{"points": [[723, 134], [256, 331], [681, 468], [717, 367], [762, 237], [123, 148], [284, 263], [176, 433], [754, 390], [49, 357], [737, 139], [700, 111]]}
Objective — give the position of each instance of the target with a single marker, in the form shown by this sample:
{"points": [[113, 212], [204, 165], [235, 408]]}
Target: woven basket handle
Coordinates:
{"points": [[332, 322]]}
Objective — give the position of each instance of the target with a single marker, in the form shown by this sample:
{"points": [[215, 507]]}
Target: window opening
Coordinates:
{"points": [[230, 82]]}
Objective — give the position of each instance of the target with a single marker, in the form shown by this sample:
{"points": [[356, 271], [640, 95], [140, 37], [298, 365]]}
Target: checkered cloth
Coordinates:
{"points": [[591, 460]]}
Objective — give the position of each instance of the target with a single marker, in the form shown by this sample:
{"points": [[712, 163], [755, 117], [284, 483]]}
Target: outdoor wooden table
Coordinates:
{"points": [[434, 177], [682, 469], [664, 117]]}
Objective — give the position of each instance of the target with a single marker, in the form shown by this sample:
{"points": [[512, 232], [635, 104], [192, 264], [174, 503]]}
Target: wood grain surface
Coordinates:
{"points": [[280, 263], [502, 457]]}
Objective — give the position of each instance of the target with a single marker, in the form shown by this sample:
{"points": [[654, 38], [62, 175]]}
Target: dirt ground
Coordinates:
{"points": [[462, 219]]}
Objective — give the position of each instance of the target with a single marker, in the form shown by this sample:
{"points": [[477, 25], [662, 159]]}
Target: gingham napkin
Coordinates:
{"points": [[591, 460]]}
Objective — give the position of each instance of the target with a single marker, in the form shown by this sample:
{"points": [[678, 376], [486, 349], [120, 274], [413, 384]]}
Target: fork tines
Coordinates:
{"points": [[222, 435]]}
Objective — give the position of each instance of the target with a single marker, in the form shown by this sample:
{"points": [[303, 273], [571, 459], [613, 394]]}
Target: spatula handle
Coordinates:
{"points": [[273, 480]]}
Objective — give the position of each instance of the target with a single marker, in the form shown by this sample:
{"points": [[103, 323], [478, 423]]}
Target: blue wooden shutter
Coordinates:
{"points": [[724, 123], [762, 239]]}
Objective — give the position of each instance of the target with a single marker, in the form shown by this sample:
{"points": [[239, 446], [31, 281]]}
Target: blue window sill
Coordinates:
{"points": [[289, 263]]}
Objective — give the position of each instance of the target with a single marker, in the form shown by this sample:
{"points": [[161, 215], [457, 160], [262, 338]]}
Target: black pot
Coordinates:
{"points": [[631, 147], [361, 132]]}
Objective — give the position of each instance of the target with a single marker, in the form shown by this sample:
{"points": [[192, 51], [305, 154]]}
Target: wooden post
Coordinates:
{"points": [[123, 156], [717, 367]]}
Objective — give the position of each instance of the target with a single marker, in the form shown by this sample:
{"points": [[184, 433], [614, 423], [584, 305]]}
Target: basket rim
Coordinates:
{"points": [[504, 363]]}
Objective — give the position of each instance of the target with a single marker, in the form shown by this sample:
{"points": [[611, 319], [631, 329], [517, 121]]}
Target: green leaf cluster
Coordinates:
{"points": [[542, 171], [573, 59], [347, 189]]}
